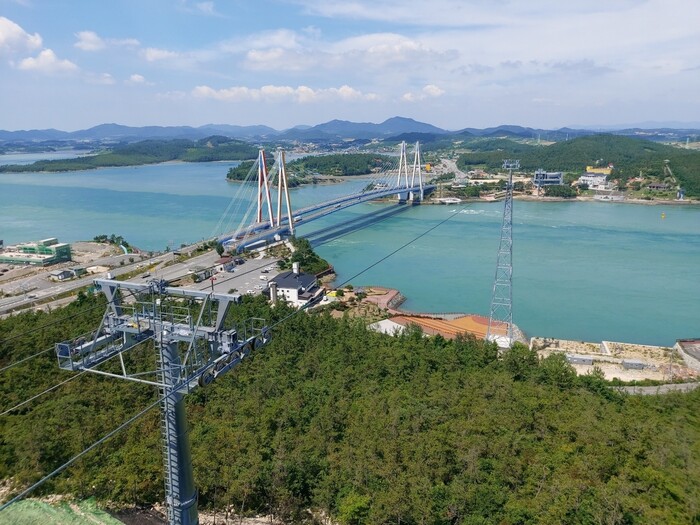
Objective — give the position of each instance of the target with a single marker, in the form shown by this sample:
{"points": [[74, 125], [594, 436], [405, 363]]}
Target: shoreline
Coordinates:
{"points": [[391, 299], [531, 198]]}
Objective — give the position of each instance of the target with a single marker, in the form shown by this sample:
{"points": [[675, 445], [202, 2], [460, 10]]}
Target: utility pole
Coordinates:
{"points": [[501, 317]]}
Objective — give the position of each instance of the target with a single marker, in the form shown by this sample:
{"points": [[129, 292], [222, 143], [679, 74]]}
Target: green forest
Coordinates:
{"points": [[210, 149], [367, 428], [630, 156], [343, 164]]}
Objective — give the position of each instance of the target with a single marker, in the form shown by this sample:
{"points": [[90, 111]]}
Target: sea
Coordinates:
{"points": [[586, 271]]}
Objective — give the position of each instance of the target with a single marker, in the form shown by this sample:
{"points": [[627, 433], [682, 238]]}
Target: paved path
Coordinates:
{"points": [[660, 389]]}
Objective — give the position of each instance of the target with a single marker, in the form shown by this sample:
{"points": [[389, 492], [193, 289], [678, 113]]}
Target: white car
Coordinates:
{"points": [[250, 292]]}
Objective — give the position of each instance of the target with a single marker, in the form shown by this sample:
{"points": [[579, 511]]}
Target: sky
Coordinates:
{"points": [[73, 64]]}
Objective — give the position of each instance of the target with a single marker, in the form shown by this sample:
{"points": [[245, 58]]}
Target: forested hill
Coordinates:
{"points": [[347, 164], [148, 152], [364, 427], [628, 155]]}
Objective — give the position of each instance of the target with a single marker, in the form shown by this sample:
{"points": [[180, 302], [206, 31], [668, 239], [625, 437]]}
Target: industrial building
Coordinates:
{"points": [[548, 178], [40, 253]]}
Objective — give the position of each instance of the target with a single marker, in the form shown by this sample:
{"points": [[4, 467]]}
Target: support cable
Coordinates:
{"points": [[24, 334], [81, 454], [309, 304], [41, 394], [25, 359]]}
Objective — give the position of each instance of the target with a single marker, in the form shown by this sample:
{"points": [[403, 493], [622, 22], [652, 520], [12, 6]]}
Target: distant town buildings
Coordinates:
{"points": [[40, 253], [62, 275]]}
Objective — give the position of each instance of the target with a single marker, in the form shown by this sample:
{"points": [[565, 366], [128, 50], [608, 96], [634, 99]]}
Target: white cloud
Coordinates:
{"points": [[89, 41], [299, 94], [153, 54], [124, 42], [206, 7], [47, 62], [14, 39], [429, 91], [103, 79], [136, 80], [172, 95]]}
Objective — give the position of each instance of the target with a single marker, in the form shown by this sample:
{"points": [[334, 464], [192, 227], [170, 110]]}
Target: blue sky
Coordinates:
{"points": [[72, 64]]}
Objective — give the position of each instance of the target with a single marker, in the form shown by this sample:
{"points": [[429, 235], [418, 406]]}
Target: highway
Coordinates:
{"points": [[35, 289]]}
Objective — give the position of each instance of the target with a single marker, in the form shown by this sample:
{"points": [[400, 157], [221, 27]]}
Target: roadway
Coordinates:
{"points": [[36, 289]]}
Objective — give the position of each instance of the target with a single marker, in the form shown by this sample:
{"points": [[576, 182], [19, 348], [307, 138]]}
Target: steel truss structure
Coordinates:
{"points": [[193, 348], [501, 317]]}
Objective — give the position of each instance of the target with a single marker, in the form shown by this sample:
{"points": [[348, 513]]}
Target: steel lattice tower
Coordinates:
{"points": [[501, 316]]}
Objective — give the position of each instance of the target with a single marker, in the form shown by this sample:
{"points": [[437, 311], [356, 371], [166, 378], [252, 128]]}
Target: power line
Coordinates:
{"points": [[47, 325], [25, 359], [41, 394], [397, 250], [309, 304], [81, 454]]}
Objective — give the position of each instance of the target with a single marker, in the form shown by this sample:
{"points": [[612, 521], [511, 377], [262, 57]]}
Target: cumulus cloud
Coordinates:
{"points": [[429, 91], [137, 80], [299, 94], [47, 62], [14, 39], [89, 41]]}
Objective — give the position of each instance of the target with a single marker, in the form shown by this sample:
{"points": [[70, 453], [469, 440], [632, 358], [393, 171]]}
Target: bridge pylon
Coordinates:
{"points": [[283, 189], [403, 171], [263, 188], [402, 179], [417, 172]]}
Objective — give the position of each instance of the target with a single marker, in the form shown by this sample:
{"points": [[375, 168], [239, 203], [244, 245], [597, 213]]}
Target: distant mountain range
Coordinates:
{"points": [[396, 128]]}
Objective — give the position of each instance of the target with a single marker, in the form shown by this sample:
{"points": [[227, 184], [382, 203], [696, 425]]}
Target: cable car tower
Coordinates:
{"points": [[501, 317], [193, 347]]}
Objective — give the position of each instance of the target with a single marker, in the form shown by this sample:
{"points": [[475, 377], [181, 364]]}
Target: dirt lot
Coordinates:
{"points": [[662, 364]]}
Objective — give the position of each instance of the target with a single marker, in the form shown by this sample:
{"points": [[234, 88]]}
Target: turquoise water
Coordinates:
{"points": [[582, 270], [28, 158]]}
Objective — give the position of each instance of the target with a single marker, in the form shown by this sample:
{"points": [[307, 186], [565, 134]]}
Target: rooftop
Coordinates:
{"points": [[289, 279]]}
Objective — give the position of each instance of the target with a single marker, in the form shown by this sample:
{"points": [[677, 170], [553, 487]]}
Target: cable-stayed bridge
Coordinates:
{"points": [[270, 225]]}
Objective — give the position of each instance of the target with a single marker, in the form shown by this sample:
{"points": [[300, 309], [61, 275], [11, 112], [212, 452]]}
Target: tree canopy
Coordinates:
{"points": [[365, 427], [146, 152], [347, 164], [630, 156]]}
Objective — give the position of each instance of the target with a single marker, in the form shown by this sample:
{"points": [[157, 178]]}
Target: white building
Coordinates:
{"points": [[595, 181], [295, 287]]}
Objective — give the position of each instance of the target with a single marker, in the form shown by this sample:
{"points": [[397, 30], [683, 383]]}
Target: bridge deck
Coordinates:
{"points": [[260, 232]]}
